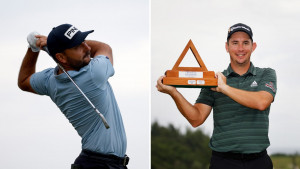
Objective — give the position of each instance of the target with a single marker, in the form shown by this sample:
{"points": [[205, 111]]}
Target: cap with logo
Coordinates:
{"points": [[240, 27], [63, 37]]}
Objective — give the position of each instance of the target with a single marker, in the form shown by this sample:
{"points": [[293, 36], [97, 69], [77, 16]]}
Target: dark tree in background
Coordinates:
{"points": [[171, 149]]}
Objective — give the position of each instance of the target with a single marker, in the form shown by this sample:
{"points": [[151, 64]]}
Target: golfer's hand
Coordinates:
{"points": [[164, 88], [42, 41], [222, 83]]}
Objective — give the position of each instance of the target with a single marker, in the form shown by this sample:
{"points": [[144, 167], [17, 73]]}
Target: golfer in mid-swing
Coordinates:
{"points": [[90, 64]]}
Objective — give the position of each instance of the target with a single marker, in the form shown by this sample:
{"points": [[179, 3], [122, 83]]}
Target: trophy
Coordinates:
{"points": [[190, 77]]}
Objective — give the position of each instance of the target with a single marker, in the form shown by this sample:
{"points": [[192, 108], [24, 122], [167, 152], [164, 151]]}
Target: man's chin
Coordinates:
{"points": [[242, 63], [83, 64], [87, 59]]}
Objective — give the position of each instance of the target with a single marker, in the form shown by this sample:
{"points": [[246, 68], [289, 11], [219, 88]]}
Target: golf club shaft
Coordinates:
{"points": [[101, 115]]}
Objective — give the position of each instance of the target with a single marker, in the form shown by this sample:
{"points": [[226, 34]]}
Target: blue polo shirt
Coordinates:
{"points": [[238, 128], [93, 81]]}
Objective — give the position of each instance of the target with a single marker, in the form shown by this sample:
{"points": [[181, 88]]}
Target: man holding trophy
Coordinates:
{"points": [[241, 105]]}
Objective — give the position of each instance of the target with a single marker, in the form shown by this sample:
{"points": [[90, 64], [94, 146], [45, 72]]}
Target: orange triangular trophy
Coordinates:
{"points": [[190, 77]]}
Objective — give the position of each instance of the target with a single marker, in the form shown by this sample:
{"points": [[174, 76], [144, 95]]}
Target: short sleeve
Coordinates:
{"points": [[101, 69], [268, 82], [40, 81], [206, 97]]}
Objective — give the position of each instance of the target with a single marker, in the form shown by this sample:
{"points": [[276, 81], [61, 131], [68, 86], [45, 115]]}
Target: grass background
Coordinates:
{"points": [[283, 161]]}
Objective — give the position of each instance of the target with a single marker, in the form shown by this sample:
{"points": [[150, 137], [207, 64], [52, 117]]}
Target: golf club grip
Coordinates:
{"points": [[103, 119], [45, 48]]}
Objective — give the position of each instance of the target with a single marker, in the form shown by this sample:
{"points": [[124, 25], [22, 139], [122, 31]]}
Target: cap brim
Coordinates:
{"points": [[80, 38]]}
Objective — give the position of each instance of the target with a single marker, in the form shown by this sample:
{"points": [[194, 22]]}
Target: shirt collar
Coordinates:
{"points": [[230, 72]]}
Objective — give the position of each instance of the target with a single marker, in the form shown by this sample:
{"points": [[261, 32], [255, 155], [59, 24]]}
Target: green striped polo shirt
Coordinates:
{"points": [[238, 128]]}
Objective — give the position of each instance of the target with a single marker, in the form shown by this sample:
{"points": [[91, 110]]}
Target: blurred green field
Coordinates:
{"points": [[286, 161], [172, 149]]}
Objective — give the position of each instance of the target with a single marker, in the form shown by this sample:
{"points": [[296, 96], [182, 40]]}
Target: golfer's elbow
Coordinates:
{"points": [[21, 82], [22, 86], [196, 123], [109, 54], [263, 105], [25, 85], [263, 101]]}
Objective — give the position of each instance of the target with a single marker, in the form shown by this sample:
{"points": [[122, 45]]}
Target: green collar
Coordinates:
{"points": [[230, 72]]}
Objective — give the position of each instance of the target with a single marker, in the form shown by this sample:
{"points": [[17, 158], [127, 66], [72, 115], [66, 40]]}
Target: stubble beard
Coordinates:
{"points": [[77, 65]]}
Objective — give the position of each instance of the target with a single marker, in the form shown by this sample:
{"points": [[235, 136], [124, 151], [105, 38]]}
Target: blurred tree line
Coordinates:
{"points": [[171, 149]]}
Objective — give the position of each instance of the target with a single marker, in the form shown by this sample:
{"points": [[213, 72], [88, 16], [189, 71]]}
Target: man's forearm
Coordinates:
{"points": [[189, 111], [27, 69], [195, 114], [100, 48], [256, 100], [253, 99]]}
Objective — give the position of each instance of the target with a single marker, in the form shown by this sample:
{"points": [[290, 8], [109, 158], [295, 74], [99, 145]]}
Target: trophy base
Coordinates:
{"points": [[190, 82], [190, 79], [190, 86]]}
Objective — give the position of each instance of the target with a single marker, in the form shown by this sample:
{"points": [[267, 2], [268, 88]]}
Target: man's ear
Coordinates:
{"points": [[254, 46], [226, 46], [61, 57]]}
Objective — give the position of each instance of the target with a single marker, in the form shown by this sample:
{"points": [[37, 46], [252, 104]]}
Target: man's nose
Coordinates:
{"points": [[86, 46], [240, 47]]}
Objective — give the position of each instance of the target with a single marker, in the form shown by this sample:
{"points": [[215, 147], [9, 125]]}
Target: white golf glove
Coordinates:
{"points": [[31, 39]]}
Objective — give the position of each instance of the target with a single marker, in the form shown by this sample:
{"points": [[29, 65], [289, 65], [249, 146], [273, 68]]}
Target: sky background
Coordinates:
{"points": [[34, 133], [275, 25]]}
